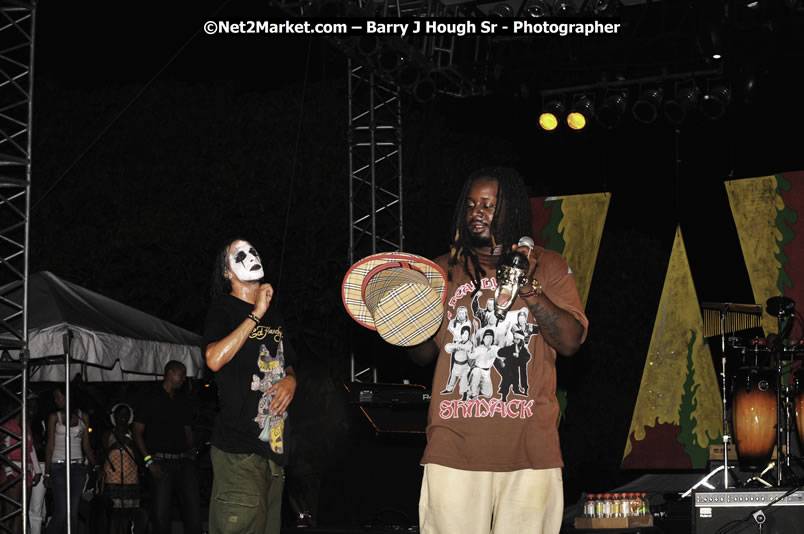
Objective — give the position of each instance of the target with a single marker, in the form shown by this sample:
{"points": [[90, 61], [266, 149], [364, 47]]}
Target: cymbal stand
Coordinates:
{"points": [[781, 452], [726, 437]]}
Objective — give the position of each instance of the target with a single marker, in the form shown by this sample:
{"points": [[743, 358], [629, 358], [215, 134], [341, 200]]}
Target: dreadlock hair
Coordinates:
{"points": [[515, 222], [221, 285]]}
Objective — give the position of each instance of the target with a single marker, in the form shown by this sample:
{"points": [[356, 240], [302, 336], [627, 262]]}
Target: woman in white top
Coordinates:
{"points": [[56, 462]]}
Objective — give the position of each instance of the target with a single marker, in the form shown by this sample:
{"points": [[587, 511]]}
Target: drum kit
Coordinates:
{"points": [[766, 391]]}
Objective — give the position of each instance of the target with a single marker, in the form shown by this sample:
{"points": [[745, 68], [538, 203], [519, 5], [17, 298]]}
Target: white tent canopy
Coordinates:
{"points": [[110, 341]]}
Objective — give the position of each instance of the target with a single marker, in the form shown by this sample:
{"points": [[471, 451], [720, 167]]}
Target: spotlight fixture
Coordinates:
{"points": [[610, 113], [538, 9], [677, 108], [564, 8], [368, 45], [646, 108], [553, 111], [501, 10], [580, 114], [425, 89], [600, 8], [713, 105]]}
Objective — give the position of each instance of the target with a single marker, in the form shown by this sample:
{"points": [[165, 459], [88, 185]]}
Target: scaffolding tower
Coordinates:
{"points": [[17, 21]]}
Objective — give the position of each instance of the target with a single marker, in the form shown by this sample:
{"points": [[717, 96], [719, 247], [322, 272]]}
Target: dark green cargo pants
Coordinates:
{"points": [[246, 494]]}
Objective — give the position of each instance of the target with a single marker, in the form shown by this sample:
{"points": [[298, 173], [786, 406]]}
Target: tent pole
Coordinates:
{"points": [[67, 424]]}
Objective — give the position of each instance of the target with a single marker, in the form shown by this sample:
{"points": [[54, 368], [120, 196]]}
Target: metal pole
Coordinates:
{"points": [[24, 439], [723, 383], [67, 424]]}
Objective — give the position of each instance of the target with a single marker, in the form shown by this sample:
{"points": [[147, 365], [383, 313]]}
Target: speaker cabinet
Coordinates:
{"points": [[766, 511]]}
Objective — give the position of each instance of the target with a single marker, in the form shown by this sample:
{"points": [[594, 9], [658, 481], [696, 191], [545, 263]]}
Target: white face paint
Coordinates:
{"points": [[244, 262]]}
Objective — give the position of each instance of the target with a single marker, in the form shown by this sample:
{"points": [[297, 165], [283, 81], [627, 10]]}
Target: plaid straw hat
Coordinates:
{"points": [[399, 295]]}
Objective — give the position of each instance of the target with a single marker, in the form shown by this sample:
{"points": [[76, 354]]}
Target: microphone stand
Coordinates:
{"points": [[782, 417], [781, 307]]}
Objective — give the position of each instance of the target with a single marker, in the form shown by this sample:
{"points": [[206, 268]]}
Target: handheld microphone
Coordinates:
{"points": [[511, 273]]}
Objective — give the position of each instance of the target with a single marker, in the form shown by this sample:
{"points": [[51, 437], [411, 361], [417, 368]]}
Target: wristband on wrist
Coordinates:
{"points": [[148, 462], [147, 458], [254, 318]]}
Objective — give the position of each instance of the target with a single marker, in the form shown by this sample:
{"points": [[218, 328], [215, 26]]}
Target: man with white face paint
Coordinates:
{"points": [[253, 365], [244, 262]]}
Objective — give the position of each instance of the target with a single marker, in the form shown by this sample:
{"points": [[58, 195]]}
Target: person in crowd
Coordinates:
{"points": [[120, 479], [163, 433], [37, 510], [493, 464], [246, 348], [75, 427], [11, 472]]}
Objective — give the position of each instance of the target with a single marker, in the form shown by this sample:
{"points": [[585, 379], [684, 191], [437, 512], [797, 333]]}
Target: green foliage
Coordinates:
{"points": [[698, 453], [783, 217], [554, 238]]}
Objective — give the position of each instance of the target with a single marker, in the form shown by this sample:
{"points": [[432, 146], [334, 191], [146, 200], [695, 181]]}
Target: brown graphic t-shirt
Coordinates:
{"points": [[494, 406]]}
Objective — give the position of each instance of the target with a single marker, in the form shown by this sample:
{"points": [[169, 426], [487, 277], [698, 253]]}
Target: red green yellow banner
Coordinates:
{"points": [[678, 411], [572, 226], [767, 212]]}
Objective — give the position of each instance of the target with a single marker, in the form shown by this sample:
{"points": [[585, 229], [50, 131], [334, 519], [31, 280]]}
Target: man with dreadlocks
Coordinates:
{"points": [[493, 463]]}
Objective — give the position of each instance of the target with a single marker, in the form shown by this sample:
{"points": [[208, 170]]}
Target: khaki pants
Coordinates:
{"points": [[246, 494], [528, 501]]}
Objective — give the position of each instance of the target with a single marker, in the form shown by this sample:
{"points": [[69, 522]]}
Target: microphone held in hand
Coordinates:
{"points": [[511, 273]]}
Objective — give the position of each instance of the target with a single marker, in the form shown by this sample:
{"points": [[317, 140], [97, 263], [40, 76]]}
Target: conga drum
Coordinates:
{"points": [[799, 403], [754, 416]]}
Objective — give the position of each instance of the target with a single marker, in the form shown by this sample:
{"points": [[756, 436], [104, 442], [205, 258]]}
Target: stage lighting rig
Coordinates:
{"points": [[538, 9], [552, 114], [502, 10], [600, 8], [683, 102], [581, 113], [646, 108], [714, 103], [565, 8], [611, 111]]}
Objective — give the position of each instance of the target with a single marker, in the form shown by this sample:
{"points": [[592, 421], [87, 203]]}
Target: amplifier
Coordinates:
{"points": [[741, 511]]}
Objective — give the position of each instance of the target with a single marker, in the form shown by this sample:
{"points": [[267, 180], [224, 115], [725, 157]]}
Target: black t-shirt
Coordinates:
{"points": [[244, 424], [164, 419]]}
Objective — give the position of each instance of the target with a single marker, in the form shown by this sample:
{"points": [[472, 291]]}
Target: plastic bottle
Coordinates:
{"points": [[626, 504], [607, 508], [645, 503], [633, 504], [589, 505], [598, 505]]}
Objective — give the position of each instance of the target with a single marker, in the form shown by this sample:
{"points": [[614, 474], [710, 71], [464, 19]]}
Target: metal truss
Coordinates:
{"points": [[16, 82], [422, 65], [381, 69], [375, 172]]}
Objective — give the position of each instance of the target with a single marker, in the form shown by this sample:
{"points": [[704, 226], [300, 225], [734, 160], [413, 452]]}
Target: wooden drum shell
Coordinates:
{"points": [[754, 416]]}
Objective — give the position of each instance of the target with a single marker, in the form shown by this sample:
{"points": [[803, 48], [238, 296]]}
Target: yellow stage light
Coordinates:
{"points": [[581, 112], [548, 121], [576, 120], [552, 114]]}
